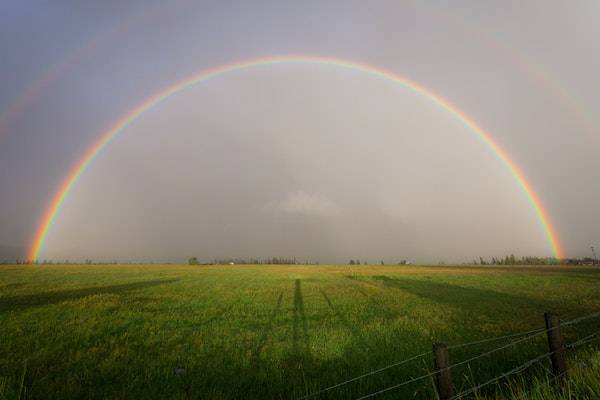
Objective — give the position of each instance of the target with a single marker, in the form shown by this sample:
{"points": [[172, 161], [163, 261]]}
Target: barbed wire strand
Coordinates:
{"points": [[513, 371], [449, 367], [512, 335], [365, 375], [412, 359], [539, 330], [529, 363], [582, 341], [579, 319], [531, 333], [487, 353], [398, 385]]}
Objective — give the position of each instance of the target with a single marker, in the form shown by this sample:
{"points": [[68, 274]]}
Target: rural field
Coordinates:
{"points": [[284, 332]]}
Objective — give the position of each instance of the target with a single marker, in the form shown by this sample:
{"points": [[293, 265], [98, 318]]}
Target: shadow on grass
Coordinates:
{"points": [[12, 285], [378, 305], [480, 301], [301, 339], [47, 298], [361, 343]]}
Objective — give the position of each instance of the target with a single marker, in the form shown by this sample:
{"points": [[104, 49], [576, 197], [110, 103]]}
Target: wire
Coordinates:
{"points": [[539, 330], [576, 320], [457, 346], [365, 375], [513, 371], [531, 333], [487, 353], [449, 367], [587, 339], [398, 385], [529, 363]]}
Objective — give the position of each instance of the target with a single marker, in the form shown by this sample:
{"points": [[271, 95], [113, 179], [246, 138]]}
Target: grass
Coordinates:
{"points": [[256, 332]]}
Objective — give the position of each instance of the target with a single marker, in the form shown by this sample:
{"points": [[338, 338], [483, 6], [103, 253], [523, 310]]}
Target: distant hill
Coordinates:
{"points": [[11, 253]]}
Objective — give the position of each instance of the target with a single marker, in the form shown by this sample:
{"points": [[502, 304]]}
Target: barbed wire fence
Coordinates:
{"points": [[557, 348]]}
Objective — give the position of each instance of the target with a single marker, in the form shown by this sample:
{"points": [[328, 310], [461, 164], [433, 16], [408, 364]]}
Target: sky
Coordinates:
{"points": [[317, 162]]}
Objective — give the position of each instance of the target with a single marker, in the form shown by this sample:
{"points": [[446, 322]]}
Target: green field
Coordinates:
{"points": [[225, 332]]}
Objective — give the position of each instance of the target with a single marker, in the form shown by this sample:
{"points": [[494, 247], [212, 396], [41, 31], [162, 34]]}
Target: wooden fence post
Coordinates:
{"points": [[556, 345], [444, 375]]}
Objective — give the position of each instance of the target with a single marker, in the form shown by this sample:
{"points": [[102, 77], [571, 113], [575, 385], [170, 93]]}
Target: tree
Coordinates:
{"points": [[193, 261], [351, 262]]}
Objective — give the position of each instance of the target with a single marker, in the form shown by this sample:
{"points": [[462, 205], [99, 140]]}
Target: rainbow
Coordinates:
{"points": [[54, 208]]}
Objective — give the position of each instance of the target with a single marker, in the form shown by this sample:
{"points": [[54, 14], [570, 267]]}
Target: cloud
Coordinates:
{"points": [[302, 203]]}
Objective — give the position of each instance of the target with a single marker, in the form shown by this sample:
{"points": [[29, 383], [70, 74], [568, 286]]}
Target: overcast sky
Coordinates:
{"points": [[314, 162]]}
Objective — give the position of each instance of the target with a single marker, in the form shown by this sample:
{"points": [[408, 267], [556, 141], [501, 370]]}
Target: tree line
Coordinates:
{"points": [[251, 261], [506, 260], [529, 260]]}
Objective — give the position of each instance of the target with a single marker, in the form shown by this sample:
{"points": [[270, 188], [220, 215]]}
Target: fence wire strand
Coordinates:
{"points": [[513, 371], [577, 320], [582, 341], [528, 364], [396, 364], [531, 334], [449, 367], [398, 385], [495, 339], [413, 358]]}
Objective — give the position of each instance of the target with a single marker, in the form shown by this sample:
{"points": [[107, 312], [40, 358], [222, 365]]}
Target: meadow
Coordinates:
{"points": [[282, 332]]}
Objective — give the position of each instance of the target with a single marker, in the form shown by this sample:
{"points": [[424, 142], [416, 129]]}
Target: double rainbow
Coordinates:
{"points": [[77, 170]]}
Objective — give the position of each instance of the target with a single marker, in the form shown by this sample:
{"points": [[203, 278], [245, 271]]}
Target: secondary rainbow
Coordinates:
{"points": [[54, 208], [34, 91]]}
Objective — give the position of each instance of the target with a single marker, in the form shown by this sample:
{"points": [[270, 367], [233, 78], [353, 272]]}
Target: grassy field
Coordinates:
{"points": [[225, 332]]}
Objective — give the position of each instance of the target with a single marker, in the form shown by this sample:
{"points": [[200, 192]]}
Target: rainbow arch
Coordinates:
{"points": [[54, 208]]}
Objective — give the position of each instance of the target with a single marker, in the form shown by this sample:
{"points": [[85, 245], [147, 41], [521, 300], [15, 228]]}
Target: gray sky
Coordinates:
{"points": [[316, 162]]}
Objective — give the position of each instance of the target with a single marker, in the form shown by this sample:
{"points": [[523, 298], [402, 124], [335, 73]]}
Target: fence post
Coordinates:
{"points": [[556, 345], [444, 375]]}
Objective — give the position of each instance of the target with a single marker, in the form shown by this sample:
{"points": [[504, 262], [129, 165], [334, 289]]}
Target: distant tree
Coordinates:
{"points": [[382, 263], [351, 262], [193, 261]]}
